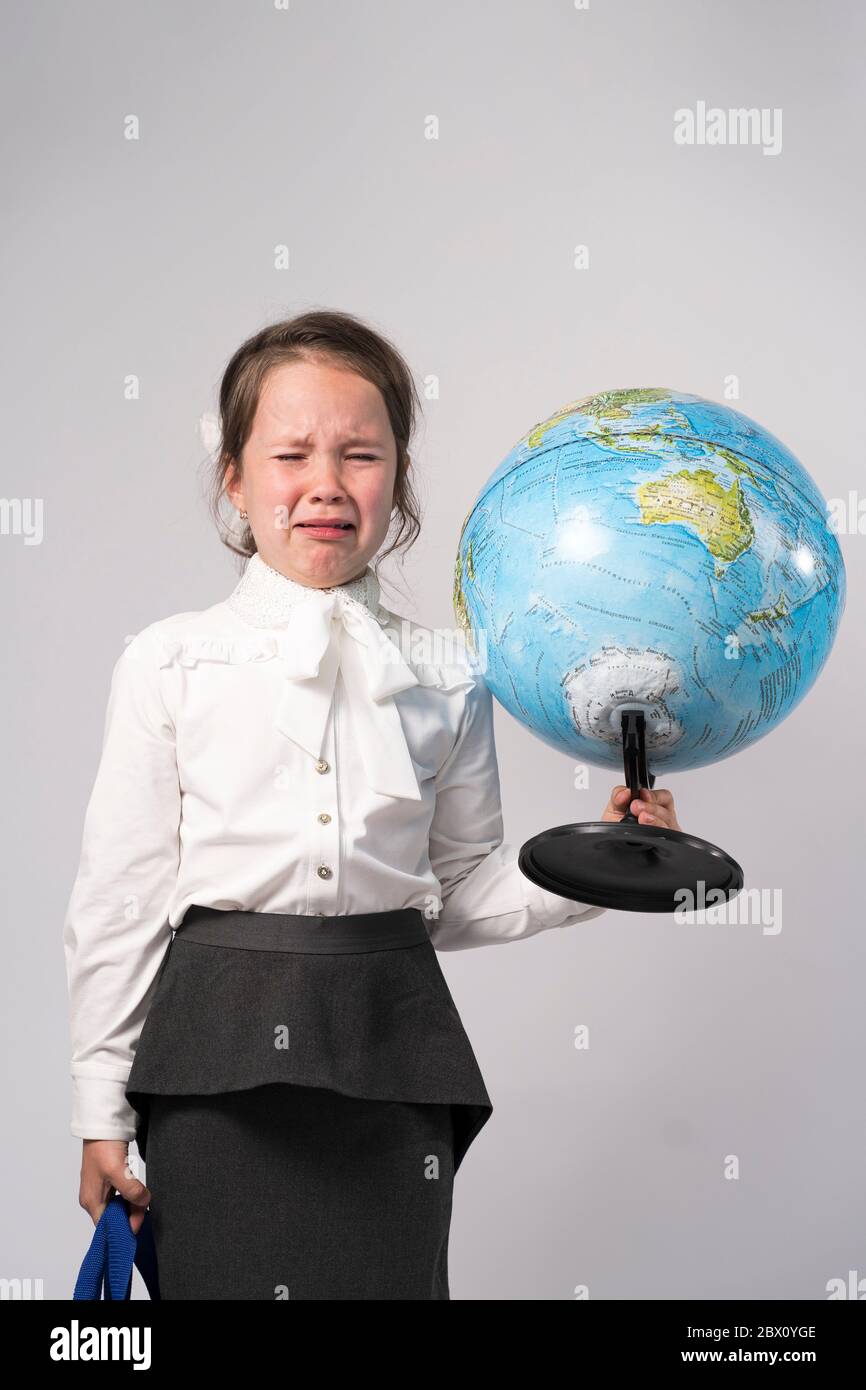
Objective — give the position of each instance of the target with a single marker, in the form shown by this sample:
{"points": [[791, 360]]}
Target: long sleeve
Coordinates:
{"points": [[116, 929], [486, 898]]}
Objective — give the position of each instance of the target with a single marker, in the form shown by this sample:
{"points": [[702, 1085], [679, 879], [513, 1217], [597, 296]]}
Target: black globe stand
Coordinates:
{"points": [[626, 865]]}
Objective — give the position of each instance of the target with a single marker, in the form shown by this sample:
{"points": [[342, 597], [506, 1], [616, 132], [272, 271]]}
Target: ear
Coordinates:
{"points": [[233, 486]]}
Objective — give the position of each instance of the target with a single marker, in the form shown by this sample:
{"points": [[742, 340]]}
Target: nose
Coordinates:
{"points": [[327, 486], [327, 494]]}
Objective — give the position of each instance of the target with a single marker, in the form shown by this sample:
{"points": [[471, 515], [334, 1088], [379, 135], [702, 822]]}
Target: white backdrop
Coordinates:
{"points": [[433, 168]]}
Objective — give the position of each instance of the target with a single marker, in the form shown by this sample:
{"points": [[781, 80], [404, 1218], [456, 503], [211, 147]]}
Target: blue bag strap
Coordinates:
{"points": [[106, 1270]]}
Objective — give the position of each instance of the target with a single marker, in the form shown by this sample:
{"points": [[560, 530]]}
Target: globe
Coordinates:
{"points": [[650, 550]]}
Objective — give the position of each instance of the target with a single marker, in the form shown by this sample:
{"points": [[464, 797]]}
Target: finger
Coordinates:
{"points": [[136, 1219], [663, 797], [659, 815], [617, 805], [132, 1191], [645, 804], [95, 1194]]}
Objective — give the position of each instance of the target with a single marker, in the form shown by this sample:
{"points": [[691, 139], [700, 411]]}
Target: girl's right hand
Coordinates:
{"points": [[104, 1171]]}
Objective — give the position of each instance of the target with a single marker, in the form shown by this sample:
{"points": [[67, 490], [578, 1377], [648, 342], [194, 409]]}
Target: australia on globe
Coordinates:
{"points": [[647, 549]]}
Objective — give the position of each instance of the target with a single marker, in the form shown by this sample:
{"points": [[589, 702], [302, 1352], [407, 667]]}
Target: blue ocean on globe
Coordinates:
{"points": [[653, 550]]}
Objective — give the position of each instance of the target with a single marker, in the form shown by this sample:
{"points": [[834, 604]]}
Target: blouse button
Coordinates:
{"points": [[323, 871], [322, 766], [323, 817]]}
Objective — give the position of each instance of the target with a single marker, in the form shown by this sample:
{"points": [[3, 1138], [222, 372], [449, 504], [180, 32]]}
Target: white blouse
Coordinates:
{"points": [[293, 750]]}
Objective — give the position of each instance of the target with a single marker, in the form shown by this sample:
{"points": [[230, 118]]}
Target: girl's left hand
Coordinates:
{"points": [[653, 807]]}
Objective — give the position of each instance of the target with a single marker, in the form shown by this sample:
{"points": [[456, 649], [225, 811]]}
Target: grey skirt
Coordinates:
{"points": [[305, 1093]]}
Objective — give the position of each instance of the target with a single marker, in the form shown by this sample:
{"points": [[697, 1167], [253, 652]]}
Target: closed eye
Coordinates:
{"points": [[371, 458]]}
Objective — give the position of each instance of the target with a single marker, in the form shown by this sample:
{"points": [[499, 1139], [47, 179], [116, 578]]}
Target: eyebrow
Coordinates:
{"points": [[305, 443]]}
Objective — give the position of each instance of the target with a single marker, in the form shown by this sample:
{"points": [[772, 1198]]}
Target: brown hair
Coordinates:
{"points": [[317, 335]]}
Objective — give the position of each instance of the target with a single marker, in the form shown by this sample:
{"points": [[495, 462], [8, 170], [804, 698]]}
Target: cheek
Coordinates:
{"points": [[276, 487], [374, 500]]}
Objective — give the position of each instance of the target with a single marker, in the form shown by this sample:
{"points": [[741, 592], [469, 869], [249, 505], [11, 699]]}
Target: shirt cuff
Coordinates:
{"points": [[100, 1109]]}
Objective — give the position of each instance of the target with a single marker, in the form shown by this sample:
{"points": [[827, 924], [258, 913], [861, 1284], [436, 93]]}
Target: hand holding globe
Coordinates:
{"points": [[652, 808]]}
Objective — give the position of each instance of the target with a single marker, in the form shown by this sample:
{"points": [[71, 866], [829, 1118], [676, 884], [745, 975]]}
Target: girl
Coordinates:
{"points": [[292, 814]]}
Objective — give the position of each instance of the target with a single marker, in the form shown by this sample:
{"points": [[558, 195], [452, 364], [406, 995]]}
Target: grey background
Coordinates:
{"points": [[261, 127]]}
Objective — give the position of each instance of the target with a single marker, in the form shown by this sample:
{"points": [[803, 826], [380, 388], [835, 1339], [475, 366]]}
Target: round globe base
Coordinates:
{"points": [[633, 867]]}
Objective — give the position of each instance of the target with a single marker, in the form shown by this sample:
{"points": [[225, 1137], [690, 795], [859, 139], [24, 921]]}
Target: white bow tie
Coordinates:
{"points": [[329, 633], [321, 632]]}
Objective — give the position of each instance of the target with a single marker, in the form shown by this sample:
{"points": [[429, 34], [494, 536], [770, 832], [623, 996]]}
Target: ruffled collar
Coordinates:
{"points": [[264, 597]]}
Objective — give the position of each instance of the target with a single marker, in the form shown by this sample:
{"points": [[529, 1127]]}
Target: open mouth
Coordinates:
{"points": [[326, 530]]}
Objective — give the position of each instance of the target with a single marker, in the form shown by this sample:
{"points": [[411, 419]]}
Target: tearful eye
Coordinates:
{"points": [[367, 458]]}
